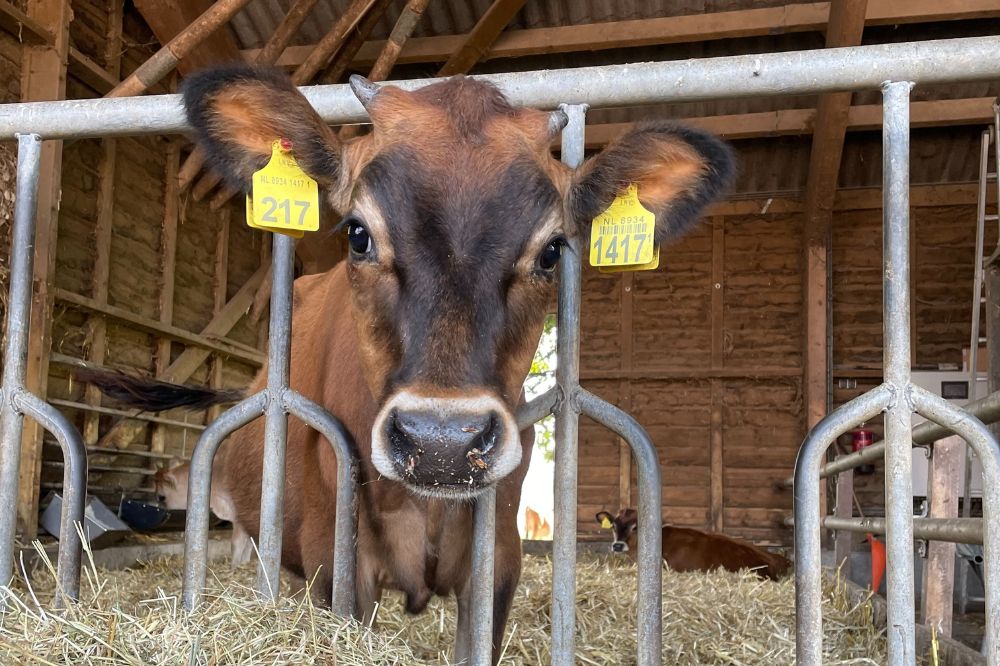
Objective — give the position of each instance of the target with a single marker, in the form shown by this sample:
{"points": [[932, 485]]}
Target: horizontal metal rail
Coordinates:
{"points": [[986, 410], [954, 530], [790, 73]]}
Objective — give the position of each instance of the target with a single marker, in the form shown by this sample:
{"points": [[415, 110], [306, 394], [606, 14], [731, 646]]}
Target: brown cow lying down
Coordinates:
{"points": [[171, 484], [686, 549], [456, 214]]}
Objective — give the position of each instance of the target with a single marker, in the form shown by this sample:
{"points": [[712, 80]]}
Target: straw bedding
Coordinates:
{"points": [[134, 617]]}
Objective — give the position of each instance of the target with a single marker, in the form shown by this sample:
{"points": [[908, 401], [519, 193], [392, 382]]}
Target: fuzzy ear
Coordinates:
{"points": [[238, 111], [604, 518], [677, 170]]}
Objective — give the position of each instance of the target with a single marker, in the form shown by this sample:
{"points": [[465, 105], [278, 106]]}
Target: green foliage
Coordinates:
{"points": [[541, 378]]}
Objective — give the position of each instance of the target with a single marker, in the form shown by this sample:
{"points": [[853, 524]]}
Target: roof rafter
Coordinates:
{"points": [[668, 30]]}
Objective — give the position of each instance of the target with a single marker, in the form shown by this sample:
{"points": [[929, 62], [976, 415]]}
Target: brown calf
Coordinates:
{"points": [[686, 549], [171, 485], [456, 214]]}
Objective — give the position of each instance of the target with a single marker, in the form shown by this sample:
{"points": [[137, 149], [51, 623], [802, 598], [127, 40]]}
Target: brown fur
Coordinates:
{"points": [[416, 545], [686, 549]]}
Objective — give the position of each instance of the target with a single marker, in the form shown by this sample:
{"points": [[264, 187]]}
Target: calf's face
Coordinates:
{"points": [[622, 529], [170, 484], [456, 215]]}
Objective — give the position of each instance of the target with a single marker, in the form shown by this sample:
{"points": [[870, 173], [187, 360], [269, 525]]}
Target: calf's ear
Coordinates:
{"points": [[238, 111], [604, 518], [677, 171]]}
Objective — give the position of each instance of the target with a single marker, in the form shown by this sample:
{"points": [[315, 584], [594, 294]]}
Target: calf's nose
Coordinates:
{"points": [[457, 432], [618, 546]]}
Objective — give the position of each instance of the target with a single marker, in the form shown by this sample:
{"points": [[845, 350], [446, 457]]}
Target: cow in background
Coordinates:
{"points": [[535, 527], [171, 485], [686, 549]]}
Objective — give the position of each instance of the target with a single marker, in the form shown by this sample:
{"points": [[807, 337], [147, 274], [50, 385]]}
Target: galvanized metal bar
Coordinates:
{"points": [[953, 530], [535, 410], [755, 75], [346, 527], [29, 147], [567, 419], [74, 497], [986, 410], [985, 445], [279, 346], [649, 607], [484, 531], [200, 491], [896, 364], [806, 506]]}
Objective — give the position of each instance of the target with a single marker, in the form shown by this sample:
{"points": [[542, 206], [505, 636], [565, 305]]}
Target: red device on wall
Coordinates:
{"points": [[860, 439]]}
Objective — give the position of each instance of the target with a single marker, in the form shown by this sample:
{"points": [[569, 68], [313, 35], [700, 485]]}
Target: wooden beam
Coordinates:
{"points": [[321, 54], [478, 42], [939, 573], [178, 49], [168, 263], [103, 226], [23, 27], [210, 342], [221, 279], [90, 73], [844, 508], [808, 17], [43, 78], [717, 464], [847, 22], [101, 278], [694, 372], [401, 33], [121, 435]]}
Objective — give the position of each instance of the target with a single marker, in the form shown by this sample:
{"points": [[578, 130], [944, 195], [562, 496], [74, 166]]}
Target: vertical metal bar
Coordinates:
{"points": [[346, 527], [200, 491], [483, 543], [74, 490], [649, 599], [29, 148], [896, 363], [272, 492], [567, 419], [985, 445]]}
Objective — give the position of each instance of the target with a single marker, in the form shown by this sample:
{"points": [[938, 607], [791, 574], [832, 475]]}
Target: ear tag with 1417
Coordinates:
{"points": [[621, 238]]}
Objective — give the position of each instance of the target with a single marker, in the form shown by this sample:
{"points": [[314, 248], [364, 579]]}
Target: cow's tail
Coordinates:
{"points": [[152, 395]]}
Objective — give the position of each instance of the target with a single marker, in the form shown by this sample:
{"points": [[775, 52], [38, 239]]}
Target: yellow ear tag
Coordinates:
{"points": [[284, 199], [622, 236], [605, 523]]}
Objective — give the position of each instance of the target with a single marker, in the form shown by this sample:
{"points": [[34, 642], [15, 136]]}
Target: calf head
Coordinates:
{"points": [[622, 529], [456, 215], [171, 485]]}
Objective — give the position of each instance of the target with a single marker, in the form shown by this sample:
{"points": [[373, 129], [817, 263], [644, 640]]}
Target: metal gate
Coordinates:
{"points": [[895, 68]]}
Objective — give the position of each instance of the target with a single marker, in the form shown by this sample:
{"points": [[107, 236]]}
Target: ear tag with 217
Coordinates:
{"points": [[285, 199], [621, 238]]}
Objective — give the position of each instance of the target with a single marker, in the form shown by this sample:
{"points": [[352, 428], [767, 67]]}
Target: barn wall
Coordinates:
{"points": [[666, 324], [716, 329], [137, 273]]}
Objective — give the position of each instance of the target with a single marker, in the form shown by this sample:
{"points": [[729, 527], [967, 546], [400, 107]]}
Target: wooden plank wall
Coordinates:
{"points": [[136, 273], [673, 387], [717, 329]]}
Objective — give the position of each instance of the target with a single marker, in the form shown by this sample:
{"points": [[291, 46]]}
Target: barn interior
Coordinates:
{"points": [[760, 321]]}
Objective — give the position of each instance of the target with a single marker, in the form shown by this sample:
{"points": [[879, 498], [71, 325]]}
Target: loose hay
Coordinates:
{"points": [[134, 617]]}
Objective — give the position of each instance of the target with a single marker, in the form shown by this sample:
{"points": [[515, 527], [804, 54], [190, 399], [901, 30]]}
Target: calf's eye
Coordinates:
{"points": [[549, 257], [358, 238]]}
